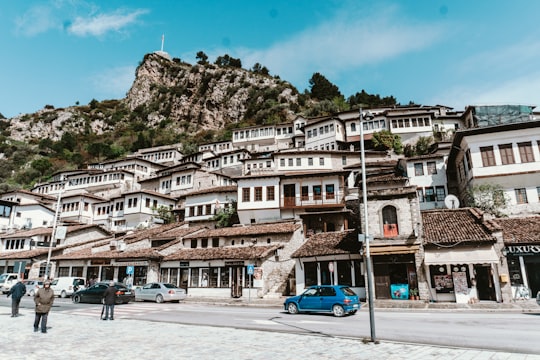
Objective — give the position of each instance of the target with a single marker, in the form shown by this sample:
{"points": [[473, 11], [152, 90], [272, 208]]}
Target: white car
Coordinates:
{"points": [[160, 292], [32, 286]]}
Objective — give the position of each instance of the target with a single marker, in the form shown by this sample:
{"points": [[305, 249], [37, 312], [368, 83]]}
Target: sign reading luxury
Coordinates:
{"points": [[524, 249]]}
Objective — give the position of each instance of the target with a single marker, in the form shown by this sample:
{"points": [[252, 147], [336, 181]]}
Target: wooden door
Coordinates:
{"points": [[382, 281]]}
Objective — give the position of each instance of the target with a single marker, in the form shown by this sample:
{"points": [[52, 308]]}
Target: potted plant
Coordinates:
{"points": [[414, 294]]}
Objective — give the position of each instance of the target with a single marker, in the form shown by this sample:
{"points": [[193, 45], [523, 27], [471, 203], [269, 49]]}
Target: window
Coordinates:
{"points": [[507, 154], [440, 193], [521, 196], [208, 209], [317, 192], [431, 168], [418, 169], [215, 242], [390, 223], [204, 243], [270, 194], [193, 244], [310, 161], [525, 152], [420, 193], [258, 193], [290, 162], [282, 162], [321, 161], [147, 202], [353, 127], [430, 194], [245, 195], [330, 191], [343, 160], [488, 159], [305, 193], [298, 161]]}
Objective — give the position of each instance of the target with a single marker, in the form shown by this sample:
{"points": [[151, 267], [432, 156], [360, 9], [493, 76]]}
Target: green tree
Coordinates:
{"points": [[489, 198], [202, 58], [164, 213], [42, 165], [259, 69], [322, 89], [227, 216], [227, 60], [385, 140]]}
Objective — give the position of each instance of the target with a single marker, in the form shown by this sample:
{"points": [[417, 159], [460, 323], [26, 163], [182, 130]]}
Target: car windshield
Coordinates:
{"points": [[170, 286], [78, 282], [348, 291], [3, 277]]}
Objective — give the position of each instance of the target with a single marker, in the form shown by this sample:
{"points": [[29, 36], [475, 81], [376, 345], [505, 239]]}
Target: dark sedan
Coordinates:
{"points": [[94, 294]]}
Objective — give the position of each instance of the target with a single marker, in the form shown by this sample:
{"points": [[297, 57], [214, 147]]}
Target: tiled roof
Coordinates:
{"points": [[215, 189], [450, 226], [26, 254], [226, 253], [520, 230], [329, 243], [143, 234], [258, 229], [48, 231], [148, 253]]}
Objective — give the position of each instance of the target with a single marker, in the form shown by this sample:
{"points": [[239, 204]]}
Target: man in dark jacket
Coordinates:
{"points": [[17, 291], [109, 298]]}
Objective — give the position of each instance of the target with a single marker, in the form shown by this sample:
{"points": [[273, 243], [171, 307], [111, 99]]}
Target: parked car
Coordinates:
{"points": [[32, 286], [336, 299], [7, 280], [160, 292], [94, 294], [538, 298], [65, 286]]}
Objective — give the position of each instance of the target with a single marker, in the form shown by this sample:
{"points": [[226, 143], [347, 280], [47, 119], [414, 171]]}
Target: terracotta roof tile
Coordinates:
{"points": [[226, 253], [329, 243], [258, 229], [520, 230], [456, 226]]}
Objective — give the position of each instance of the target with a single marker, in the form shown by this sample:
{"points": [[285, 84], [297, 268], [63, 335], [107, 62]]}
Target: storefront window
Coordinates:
{"points": [[195, 277], [344, 272], [77, 271], [359, 279], [173, 276], [164, 275], [224, 278], [213, 277], [326, 275], [440, 279], [310, 273], [515, 271], [464, 268], [63, 271], [140, 275]]}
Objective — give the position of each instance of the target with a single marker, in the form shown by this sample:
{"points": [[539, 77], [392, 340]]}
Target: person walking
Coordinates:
{"points": [[17, 291], [109, 299], [43, 299]]}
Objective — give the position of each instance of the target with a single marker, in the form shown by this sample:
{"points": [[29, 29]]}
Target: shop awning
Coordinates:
{"points": [[461, 256], [393, 249]]}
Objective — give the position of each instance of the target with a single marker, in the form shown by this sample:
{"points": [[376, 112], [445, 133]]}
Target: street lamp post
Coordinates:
{"points": [[369, 270], [53, 234]]}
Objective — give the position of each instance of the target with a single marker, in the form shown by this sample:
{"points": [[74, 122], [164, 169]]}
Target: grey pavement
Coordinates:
{"points": [[83, 337]]}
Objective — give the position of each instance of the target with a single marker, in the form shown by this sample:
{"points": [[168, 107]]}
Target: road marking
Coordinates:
{"points": [[265, 322]]}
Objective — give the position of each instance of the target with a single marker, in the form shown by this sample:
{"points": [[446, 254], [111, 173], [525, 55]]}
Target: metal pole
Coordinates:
{"points": [[369, 270], [53, 234]]}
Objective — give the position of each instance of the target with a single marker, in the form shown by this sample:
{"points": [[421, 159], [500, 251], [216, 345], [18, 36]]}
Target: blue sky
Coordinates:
{"points": [[455, 53]]}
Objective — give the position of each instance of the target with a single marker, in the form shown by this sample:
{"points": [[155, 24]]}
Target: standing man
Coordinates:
{"points": [[44, 299], [17, 291], [109, 298]]}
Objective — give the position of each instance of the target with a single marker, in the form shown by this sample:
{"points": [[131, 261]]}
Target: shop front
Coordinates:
{"points": [[524, 269], [463, 274]]}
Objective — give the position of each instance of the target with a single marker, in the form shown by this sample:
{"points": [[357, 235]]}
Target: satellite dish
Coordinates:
{"points": [[451, 201]]}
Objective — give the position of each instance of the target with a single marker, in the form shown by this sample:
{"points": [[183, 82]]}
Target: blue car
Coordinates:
{"points": [[336, 299]]}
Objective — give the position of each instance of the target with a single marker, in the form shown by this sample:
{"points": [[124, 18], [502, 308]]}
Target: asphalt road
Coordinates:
{"points": [[497, 330]]}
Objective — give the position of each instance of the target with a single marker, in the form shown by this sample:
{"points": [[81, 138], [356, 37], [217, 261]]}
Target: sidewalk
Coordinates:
{"points": [[82, 337], [516, 306]]}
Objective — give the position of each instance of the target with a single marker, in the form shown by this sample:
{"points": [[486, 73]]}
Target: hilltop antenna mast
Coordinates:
{"points": [[162, 41]]}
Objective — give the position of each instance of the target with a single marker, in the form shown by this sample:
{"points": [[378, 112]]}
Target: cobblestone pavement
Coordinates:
{"points": [[83, 337]]}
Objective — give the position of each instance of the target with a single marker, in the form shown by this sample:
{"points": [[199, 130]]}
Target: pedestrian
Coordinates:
{"points": [[109, 299], [17, 291], [44, 299]]}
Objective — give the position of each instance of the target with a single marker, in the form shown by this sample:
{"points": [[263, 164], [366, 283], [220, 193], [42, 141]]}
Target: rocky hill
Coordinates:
{"points": [[172, 96]]}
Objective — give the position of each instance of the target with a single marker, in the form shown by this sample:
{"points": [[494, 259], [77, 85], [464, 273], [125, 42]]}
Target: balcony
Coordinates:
{"points": [[331, 200]]}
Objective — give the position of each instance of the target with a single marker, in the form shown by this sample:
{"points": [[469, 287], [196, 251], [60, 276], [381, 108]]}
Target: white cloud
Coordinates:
{"points": [[343, 43], [99, 25], [36, 20], [114, 83]]}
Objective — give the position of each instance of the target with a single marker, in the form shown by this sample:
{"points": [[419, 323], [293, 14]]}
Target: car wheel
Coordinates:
{"points": [[63, 294], [159, 298], [76, 299], [338, 310], [292, 308]]}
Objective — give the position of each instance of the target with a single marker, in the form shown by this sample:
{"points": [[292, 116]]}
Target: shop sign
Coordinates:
{"points": [[99, 262], [523, 249], [130, 263], [184, 264], [234, 263]]}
